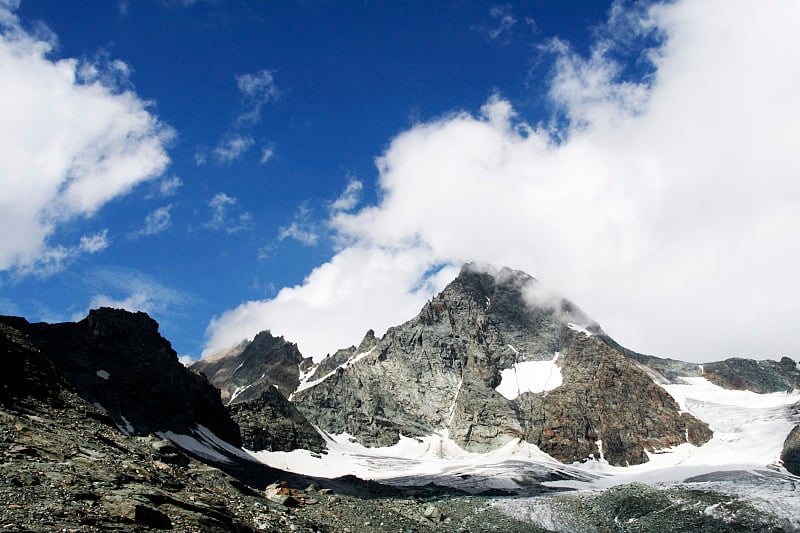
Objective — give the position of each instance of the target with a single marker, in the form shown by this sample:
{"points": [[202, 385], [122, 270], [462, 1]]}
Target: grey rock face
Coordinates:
{"points": [[119, 360], [254, 379], [266, 360], [440, 370]]}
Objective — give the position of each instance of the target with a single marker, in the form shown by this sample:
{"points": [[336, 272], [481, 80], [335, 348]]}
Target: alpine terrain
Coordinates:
{"points": [[499, 407]]}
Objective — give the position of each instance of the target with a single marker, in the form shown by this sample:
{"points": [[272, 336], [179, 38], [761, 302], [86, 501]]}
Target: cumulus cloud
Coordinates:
{"points": [[154, 223], [666, 206], [334, 298], [73, 137], [227, 216]]}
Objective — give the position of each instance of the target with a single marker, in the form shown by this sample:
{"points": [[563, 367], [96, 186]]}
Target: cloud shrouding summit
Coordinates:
{"points": [[69, 143], [669, 210]]}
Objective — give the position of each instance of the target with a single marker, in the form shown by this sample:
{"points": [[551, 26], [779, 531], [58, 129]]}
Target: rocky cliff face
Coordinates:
{"points": [[118, 361], [254, 379], [442, 370]]}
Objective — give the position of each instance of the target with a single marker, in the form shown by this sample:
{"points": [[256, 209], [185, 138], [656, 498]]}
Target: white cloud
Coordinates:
{"points": [[232, 147], [502, 20], [257, 89], [334, 299], [155, 222], [129, 289], [667, 208], [226, 215], [169, 186], [266, 153], [301, 229], [94, 243], [350, 197], [72, 138]]}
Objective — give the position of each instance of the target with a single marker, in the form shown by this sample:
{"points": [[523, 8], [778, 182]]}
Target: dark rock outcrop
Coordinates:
{"points": [[440, 371], [270, 422], [118, 360], [790, 455], [758, 376]]}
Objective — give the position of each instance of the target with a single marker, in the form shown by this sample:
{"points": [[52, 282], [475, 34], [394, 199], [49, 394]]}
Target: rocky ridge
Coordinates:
{"points": [[111, 356], [255, 378]]}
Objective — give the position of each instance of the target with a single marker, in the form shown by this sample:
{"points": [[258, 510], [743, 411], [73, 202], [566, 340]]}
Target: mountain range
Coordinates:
{"points": [[493, 363]]}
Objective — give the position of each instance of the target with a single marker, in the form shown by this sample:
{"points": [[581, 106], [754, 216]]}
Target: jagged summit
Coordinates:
{"points": [[255, 378]]}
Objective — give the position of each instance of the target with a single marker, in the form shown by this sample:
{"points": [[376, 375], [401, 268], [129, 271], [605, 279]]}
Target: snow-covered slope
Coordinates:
{"points": [[749, 429]]}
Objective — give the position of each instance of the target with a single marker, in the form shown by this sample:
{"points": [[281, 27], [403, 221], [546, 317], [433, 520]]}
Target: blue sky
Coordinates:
{"points": [[321, 168]]}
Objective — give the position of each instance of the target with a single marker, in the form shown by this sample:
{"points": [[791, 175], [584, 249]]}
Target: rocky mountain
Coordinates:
{"points": [[255, 378], [119, 362], [467, 365]]}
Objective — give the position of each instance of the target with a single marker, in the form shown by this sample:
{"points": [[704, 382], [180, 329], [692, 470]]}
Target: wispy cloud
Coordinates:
{"points": [[130, 289], [257, 90], [501, 20], [74, 136], [154, 223], [350, 197], [169, 186], [53, 259], [227, 216], [266, 153], [302, 228], [232, 147]]}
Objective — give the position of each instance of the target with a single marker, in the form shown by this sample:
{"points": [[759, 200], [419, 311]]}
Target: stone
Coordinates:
{"points": [[790, 455]]}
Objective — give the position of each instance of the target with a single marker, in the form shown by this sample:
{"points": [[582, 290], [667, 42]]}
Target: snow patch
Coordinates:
{"points": [[579, 329], [529, 376], [102, 374], [127, 427], [204, 443], [238, 391], [455, 400], [305, 384]]}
